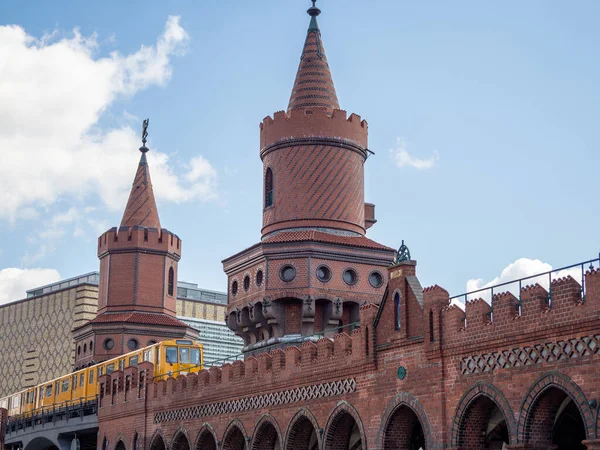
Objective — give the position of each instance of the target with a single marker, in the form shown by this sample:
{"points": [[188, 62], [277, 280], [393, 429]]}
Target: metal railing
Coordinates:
{"points": [[85, 406], [241, 356], [518, 284]]}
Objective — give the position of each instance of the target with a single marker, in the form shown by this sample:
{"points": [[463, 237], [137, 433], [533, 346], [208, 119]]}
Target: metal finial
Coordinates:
{"points": [[313, 11], [143, 148], [403, 254]]}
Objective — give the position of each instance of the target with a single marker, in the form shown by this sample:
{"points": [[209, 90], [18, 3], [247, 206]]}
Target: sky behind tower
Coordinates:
{"points": [[483, 118]]}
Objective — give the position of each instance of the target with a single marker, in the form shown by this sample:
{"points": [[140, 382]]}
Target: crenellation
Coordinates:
{"points": [[534, 298], [505, 309], [251, 368], [477, 314], [324, 349], [313, 122], [203, 378], [215, 376], [293, 358], [238, 370], [308, 353], [566, 292], [264, 363], [278, 360]]}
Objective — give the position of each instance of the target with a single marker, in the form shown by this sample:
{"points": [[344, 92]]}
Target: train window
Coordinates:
{"points": [[41, 393], [91, 379], [110, 368], [100, 371], [65, 385], [16, 401], [81, 379], [172, 355], [147, 355], [74, 382], [196, 356], [157, 355], [184, 355], [121, 364], [57, 390], [133, 361]]}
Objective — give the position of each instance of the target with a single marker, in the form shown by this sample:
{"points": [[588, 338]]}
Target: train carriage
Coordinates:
{"points": [[170, 358]]}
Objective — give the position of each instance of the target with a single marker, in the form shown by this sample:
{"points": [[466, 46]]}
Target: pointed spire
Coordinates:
{"points": [[141, 207], [313, 85]]}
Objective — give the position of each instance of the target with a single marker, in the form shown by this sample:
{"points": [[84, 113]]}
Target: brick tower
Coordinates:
{"points": [[314, 266], [138, 281]]}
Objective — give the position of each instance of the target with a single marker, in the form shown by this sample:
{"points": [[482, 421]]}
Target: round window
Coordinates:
{"points": [[323, 273], [109, 344], [288, 273], [234, 288], [259, 277], [246, 282], [132, 344], [350, 276], [375, 279]]}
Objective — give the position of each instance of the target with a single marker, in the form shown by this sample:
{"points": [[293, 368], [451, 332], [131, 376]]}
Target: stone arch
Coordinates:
{"points": [[344, 429], [235, 436], [303, 432], [120, 442], [541, 408], [135, 441], [42, 443], [267, 434], [158, 441], [120, 445], [207, 438], [407, 408], [104, 443], [181, 440]]}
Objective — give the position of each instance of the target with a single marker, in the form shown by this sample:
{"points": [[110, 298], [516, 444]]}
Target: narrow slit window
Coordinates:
{"points": [[171, 281], [398, 311], [269, 188]]}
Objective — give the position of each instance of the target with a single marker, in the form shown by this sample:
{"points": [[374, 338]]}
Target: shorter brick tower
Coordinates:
{"points": [[138, 281], [314, 266]]}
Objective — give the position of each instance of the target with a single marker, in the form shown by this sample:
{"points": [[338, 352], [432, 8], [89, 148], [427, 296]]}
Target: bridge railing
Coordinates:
{"points": [[297, 340], [86, 406], [545, 279]]}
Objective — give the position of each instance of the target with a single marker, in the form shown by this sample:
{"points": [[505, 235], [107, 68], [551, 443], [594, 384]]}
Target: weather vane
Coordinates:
{"points": [[143, 148]]}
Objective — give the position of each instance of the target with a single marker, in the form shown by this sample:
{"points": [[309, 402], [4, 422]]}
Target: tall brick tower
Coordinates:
{"points": [[138, 281], [314, 266]]}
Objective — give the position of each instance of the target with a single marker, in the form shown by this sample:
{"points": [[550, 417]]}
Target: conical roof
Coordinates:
{"points": [[313, 86], [141, 207]]}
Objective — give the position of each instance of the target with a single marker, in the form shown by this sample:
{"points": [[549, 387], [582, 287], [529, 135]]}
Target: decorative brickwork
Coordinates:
{"points": [[303, 394], [536, 354]]}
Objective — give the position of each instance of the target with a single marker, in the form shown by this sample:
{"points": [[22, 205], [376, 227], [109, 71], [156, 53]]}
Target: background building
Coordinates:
{"points": [[35, 332]]}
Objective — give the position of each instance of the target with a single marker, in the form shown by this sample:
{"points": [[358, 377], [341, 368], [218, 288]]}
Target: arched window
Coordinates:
{"points": [[397, 311], [268, 188], [431, 335], [171, 281]]}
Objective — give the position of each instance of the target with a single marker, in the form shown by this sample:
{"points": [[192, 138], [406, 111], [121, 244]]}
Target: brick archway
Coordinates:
{"points": [[479, 402], [344, 429], [120, 440], [181, 440], [403, 409], [120, 446], [267, 434], [235, 436], [303, 432], [158, 441], [207, 438], [544, 400]]}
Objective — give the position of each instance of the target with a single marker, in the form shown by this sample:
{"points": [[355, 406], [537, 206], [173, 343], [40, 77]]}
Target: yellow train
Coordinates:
{"points": [[170, 358]]}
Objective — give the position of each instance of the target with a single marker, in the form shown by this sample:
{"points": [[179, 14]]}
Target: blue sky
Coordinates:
{"points": [[483, 117]]}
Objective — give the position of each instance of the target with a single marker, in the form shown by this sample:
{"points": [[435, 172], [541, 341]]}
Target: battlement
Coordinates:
{"points": [[127, 238], [536, 310], [313, 123]]}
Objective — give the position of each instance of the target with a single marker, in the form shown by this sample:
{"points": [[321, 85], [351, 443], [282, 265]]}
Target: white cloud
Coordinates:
{"points": [[14, 282], [522, 267], [402, 158], [52, 95]]}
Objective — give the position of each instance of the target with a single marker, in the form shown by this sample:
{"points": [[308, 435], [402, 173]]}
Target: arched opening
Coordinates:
{"points": [[397, 311], [180, 442], [431, 331], [302, 435], [105, 444], [234, 439], [268, 188], [158, 443], [40, 443], [206, 441], [554, 421], [120, 446], [483, 425], [136, 443], [403, 430], [171, 286], [266, 437], [343, 433]]}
